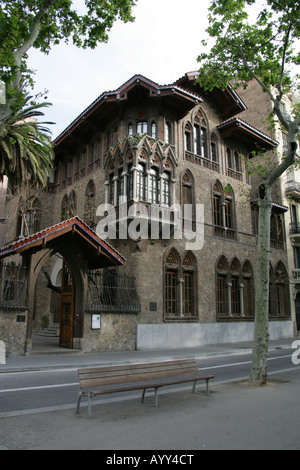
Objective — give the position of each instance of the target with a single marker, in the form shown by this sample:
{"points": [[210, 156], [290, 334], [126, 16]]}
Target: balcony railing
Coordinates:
{"points": [[295, 228]]}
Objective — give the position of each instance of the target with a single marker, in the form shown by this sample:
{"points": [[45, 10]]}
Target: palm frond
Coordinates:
{"points": [[26, 151]]}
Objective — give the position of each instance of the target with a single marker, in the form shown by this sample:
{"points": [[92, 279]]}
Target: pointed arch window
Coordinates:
{"points": [[153, 130], [223, 211], [179, 286], [89, 204], [142, 127], [29, 217], [153, 186], [188, 198], [168, 133], [141, 184], [234, 290], [221, 288], [234, 164], [165, 188], [188, 138], [68, 206]]}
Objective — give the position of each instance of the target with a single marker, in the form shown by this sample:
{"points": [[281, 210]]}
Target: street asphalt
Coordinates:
{"points": [[235, 416]]}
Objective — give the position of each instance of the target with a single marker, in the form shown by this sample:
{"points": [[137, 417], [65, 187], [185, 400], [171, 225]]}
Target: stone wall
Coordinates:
{"points": [[117, 333], [13, 329], [174, 336]]}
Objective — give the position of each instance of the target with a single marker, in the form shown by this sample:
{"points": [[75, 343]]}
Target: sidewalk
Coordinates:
{"points": [[234, 417], [47, 355]]}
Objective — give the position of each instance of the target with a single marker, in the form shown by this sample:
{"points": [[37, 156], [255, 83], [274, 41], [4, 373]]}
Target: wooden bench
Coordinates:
{"points": [[123, 378]]}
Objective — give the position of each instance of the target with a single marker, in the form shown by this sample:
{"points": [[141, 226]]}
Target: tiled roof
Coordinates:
{"points": [[40, 239]]}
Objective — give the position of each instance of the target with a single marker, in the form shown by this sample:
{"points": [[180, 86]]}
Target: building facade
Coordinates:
{"points": [[160, 172], [286, 191]]}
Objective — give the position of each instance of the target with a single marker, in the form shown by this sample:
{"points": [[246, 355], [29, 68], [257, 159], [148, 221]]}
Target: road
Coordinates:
{"points": [[40, 391]]}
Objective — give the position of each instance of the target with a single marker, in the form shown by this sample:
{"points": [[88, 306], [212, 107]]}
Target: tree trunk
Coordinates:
{"points": [[258, 375]]}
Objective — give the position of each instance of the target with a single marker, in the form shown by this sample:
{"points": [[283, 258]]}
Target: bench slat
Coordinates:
{"points": [[137, 372], [140, 376]]}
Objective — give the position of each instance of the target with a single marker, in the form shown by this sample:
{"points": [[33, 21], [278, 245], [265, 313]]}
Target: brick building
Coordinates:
{"points": [[148, 152]]}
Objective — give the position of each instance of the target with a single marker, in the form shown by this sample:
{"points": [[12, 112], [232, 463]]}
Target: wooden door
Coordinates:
{"points": [[66, 309]]}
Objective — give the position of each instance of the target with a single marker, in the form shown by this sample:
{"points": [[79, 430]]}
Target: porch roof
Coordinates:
{"points": [[98, 252]]}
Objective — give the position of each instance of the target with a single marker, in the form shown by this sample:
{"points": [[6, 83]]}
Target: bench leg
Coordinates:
{"points": [[78, 402]]}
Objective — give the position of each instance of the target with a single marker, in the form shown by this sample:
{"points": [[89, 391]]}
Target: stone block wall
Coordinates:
{"points": [[13, 330]]}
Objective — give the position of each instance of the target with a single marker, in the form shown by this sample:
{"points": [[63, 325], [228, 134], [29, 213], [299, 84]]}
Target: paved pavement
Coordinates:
{"points": [[235, 416], [47, 355]]}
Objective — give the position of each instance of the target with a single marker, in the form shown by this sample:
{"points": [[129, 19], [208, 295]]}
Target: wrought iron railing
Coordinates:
{"points": [[294, 227], [13, 287], [109, 292]]}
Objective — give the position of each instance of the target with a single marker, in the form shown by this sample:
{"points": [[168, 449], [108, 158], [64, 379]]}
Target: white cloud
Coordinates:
{"points": [[163, 43]]}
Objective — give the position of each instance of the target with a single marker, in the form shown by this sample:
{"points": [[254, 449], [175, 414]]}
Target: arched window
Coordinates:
{"points": [[29, 216], [153, 130], [73, 204], [235, 278], [188, 276], [234, 289], [223, 211], [234, 164], [130, 129], [197, 139], [153, 186], [142, 127], [130, 182], [89, 204], [65, 208], [165, 188], [68, 206], [141, 183], [214, 153], [188, 138], [172, 264], [187, 197], [168, 133], [217, 208], [204, 142], [229, 216], [180, 285], [221, 288]]}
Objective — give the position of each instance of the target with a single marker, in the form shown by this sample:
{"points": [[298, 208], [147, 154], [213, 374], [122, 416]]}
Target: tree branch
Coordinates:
{"points": [[290, 159], [286, 42]]}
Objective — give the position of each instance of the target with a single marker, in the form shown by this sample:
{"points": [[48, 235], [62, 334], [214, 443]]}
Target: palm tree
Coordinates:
{"points": [[26, 153]]}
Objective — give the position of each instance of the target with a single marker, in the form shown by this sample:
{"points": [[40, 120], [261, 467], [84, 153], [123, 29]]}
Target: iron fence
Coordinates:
{"points": [[110, 292], [13, 287]]}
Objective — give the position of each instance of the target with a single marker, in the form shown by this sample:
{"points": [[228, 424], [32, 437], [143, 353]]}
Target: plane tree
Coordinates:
{"points": [[40, 24], [248, 41]]}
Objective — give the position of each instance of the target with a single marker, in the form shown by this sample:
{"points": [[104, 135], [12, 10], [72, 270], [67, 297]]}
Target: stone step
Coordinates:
{"points": [[50, 331]]}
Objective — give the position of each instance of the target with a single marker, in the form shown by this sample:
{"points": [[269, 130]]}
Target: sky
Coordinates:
{"points": [[162, 44]]}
